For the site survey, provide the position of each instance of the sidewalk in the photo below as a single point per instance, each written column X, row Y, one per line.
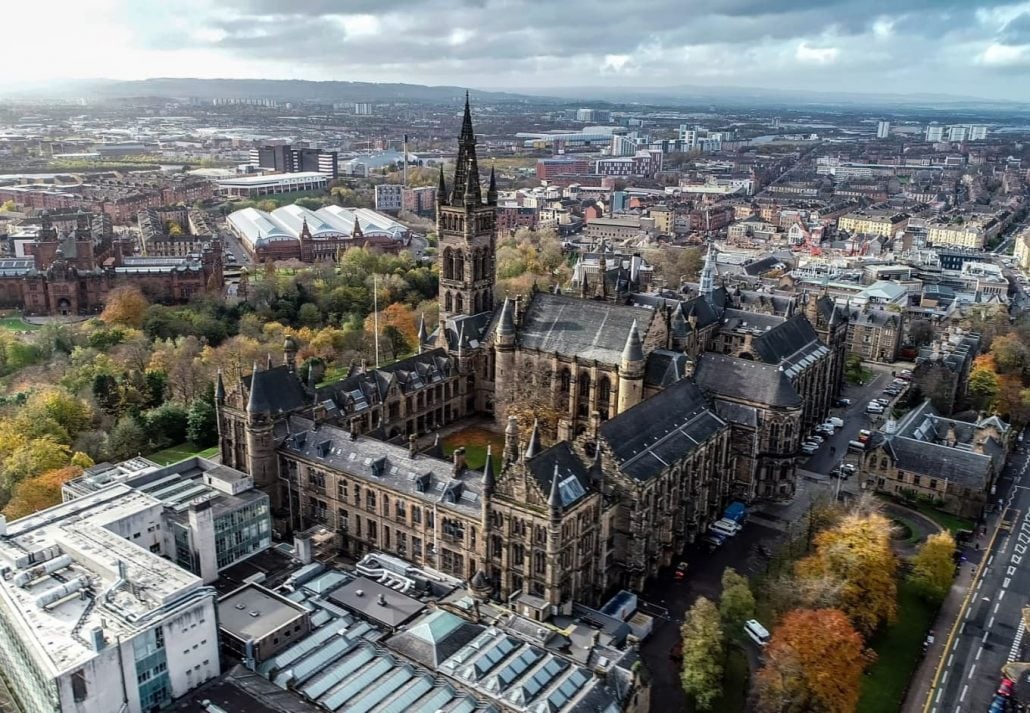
column 919, row 686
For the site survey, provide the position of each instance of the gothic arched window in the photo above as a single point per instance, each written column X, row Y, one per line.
column 447, row 302
column 448, row 268
column 459, row 303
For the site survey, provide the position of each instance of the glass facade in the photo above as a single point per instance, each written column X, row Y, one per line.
column 155, row 689
column 242, row 532
column 32, row 689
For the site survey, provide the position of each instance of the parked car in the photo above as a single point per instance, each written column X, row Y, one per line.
column 848, row 469
column 1007, row 687
column 756, row 632
column 883, row 402
column 841, row 402
column 874, row 408
column 998, row 705
column 681, row 571
column 809, row 448
column 732, row 527
column 818, row 439
column 837, row 422
column 864, row 434
column 713, row 541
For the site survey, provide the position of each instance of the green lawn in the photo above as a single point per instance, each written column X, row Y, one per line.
column 898, row 649
column 475, row 439
column 181, row 452
column 954, row 523
column 17, row 324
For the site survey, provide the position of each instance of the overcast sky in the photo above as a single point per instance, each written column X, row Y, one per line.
column 949, row 46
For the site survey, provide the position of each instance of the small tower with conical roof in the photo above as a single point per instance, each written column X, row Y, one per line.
column 504, row 360
column 290, row 353
column 423, row 333
column 491, row 192
column 534, row 447
column 631, row 371
column 511, row 441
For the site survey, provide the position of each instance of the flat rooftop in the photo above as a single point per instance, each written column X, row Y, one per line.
column 252, row 612
column 377, row 603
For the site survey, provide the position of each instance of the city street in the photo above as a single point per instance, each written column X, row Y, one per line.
column 668, row 599
column 988, row 632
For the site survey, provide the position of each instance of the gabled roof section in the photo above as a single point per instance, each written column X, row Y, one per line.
column 573, row 473
column 575, row 327
column 745, row 380
column 275, row 391
column 664, row 368
column 661, row 431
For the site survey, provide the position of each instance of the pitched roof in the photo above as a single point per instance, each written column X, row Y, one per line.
column 581, row 328
column 660, row 431
column 275, row 390
column 664, row 368
column 573, row 473
column 746, row 380
column 968, row 469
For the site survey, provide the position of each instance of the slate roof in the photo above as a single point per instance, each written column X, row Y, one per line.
column 357, row 392
column 745, row 380
column 664, row 368
column 574, row 327
column 470, row 330
column 275, row 390
column 421, row 478
column 736, row 413
column 574, row 474
column 968, row 469
column 741, row 319
column 875, row 318
column 660, row 431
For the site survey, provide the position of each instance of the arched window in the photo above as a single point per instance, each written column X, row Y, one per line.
column 604, row 396
column 459, row 303
column 448, row 268
column 564, row 381
column 447, row 302
column 459, row 265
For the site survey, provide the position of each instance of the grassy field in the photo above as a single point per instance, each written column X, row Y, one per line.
column 181, row 452
column 898, row 649
column 475, row 439
column 950, row 522
column 15, row 323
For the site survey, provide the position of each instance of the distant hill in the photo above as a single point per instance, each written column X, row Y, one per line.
column 283, row 90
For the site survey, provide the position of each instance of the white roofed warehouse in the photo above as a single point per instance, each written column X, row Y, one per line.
column 294, row 232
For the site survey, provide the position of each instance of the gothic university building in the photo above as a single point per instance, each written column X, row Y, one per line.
column 655, row 410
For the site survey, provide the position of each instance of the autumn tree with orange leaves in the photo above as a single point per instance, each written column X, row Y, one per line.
column 40, row 492
column 126, row 306
column 814, row 662
column 856, row 552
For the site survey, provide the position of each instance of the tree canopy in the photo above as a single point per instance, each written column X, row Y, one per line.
column 933, row 566
column 701, row 675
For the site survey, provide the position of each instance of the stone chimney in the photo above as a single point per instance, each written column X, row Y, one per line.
column 459, row 460
column 413, row 446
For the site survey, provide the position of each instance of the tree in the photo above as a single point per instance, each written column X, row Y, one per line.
column 39, row 492
column 983, row 388
column 1011, row 354
column 73, row 415
column 933, row 567
column 127, row 438
column 920, row 331
column 737, row 603
column 701, row 676
column 106, row 393
column 125, row 305
column 165, row 425
column 814, row 662
column 309, row 315
column 202, row 424
column 857, row 553
column 673, row 265
column 399, row 316
column 32, row 458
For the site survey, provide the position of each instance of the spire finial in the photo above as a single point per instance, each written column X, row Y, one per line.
column 533, row 448
column 554, row 499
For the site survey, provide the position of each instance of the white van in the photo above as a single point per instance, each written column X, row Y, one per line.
column 756, row 632
column 725, row 527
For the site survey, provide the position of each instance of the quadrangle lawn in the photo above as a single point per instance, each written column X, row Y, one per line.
column 180, row 452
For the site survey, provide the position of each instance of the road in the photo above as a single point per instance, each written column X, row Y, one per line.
column 989, row 631
column 668, row 599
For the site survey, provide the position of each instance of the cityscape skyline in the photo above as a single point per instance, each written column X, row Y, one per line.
column 971, row 49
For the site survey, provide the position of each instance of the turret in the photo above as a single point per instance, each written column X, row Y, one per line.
column 631, row 371
column 256, row 403
column 261, row 460
column 504, row 358
column 678, row 329
column 812, row 308
column 219, row 388
column 441, row 189
column 708, row 274
column 533, row 448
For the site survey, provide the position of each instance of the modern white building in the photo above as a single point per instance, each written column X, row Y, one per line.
column 934, row 133
column 92, row 617
column 272, row 184
column 883, row 129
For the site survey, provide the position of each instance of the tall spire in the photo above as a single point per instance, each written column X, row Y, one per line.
column 488, row 472
column 423, row 335
column 219, row 388
column 708, row 273
column 491, row 192
column 507, row 326
column 441, row 189
column 466, row 170
column 256, row 402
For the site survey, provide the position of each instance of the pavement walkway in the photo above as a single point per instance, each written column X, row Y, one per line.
column 919, row 686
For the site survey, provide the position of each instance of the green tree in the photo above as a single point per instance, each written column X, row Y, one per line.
column 737, row 603
column 983, row 388
column 165, row 425
column 127, row 438
column 920, row 332
column 202, row 424
column 933, row 566
column 309, row 315
column 703, row 656
column 106, row 393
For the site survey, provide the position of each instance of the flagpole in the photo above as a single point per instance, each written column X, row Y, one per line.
column 375, row 313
